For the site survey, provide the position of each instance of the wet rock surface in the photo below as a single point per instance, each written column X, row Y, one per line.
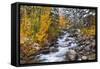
column 71, row 55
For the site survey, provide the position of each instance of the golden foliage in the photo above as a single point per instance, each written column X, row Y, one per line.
column 62, row 22
column 45, row 23
column 25, row 28
column 68, row 23
column 33, row 29
column 90, row 31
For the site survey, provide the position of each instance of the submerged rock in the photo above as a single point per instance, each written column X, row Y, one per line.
column 53, row 49
column 67, row 39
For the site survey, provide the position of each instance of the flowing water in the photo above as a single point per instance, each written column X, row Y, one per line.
column 64, row 42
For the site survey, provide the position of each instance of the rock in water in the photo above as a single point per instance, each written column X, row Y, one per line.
column 53, row 49
column 72, row 55
column 45, row 51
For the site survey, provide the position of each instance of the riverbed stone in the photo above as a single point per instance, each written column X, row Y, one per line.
column 87, row 48
column 84, row 57
column 71, row 55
